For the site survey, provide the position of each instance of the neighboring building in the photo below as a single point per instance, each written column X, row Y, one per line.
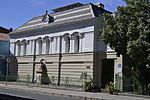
column 4, row 30
column 68, row 39
column 4, row 51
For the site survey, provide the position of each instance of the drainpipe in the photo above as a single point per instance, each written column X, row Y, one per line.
column 59, row 63
column 34, row 57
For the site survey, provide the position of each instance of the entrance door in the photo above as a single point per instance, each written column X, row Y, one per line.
column 107, row 71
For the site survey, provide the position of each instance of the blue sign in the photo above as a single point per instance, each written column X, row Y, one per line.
column 119, row 68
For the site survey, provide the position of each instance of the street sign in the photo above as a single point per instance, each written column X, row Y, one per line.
column 119, row 68
column 8, row 60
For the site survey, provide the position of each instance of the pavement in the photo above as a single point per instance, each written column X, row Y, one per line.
column 72, row 93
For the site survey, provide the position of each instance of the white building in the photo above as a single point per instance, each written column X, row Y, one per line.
column 68, row 39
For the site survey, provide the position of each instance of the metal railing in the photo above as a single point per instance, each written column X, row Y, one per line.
column 65, row 82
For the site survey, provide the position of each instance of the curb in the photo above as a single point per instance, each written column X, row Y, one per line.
column 134, row 95
column 44, row 86
column 52, row 94
column 27, row 88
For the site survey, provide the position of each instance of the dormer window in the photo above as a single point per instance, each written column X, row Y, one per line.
column 48, row 18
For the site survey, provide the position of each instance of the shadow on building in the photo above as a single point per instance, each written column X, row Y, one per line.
column 13, row 69
column 42, row 73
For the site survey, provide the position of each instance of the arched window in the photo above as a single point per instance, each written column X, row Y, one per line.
column 39, row 41
column 67, row 42
column 18, row 48
column 76, row 38
column 24, row 44
column 51, row 39
column 40, row 46
column 47, row 41
column 76, row 43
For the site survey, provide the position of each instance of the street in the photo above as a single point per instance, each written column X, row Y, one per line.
column 21, row 95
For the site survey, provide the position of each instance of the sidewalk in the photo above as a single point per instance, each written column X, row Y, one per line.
column 70, row 93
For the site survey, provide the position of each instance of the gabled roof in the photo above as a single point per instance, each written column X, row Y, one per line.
column 4, row 30
column 71, row 6
column 77, row 12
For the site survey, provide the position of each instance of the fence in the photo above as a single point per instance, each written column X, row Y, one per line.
column 127, row 84
column 65, row 82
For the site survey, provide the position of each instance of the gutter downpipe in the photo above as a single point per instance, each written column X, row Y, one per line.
column 59, row 63
column 34, row 58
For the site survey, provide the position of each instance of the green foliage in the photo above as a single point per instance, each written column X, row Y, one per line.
column 91, row 86
column 128, row 33
column 110, row 87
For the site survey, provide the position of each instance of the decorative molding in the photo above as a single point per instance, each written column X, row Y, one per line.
column 46, row 38
column 39, row 39
column 51, row 39
column 81, row 35
column 74, row 34
column 66, row 36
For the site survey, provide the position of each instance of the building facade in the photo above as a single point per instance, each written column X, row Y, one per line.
column 4, row 51
column 68, row 40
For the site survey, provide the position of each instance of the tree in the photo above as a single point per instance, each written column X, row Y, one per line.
column 127, row 31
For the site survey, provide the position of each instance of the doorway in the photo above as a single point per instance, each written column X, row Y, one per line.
column 107, row 71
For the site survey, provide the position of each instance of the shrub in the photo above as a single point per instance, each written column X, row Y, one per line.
column 110, row 87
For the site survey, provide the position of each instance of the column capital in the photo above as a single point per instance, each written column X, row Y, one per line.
column 81, row 35
column 39, row 39
column 46, row 38
column 51, row 39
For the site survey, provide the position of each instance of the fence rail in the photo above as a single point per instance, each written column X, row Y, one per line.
column 65, row 82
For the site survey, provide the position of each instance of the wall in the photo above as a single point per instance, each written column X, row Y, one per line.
column 4, row 52
column 86, row 43
column 73, row 64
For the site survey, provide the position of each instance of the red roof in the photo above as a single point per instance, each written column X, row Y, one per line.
column 4, row 37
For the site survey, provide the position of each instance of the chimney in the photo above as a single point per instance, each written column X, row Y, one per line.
column 100, row 5
column 11, row 29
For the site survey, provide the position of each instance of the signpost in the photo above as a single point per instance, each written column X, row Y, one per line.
column 8, row 61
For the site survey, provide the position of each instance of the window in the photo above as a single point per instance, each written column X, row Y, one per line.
column 67, row 44
column 51, row 40
column 76, row 43
column 24, row 48
column 47, row 45
column 18, row 48
column 40, row 46
column 56, row 44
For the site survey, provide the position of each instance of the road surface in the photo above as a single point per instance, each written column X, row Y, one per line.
column 8, row 94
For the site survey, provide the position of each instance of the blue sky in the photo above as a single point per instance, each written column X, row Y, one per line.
column 14, row 13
